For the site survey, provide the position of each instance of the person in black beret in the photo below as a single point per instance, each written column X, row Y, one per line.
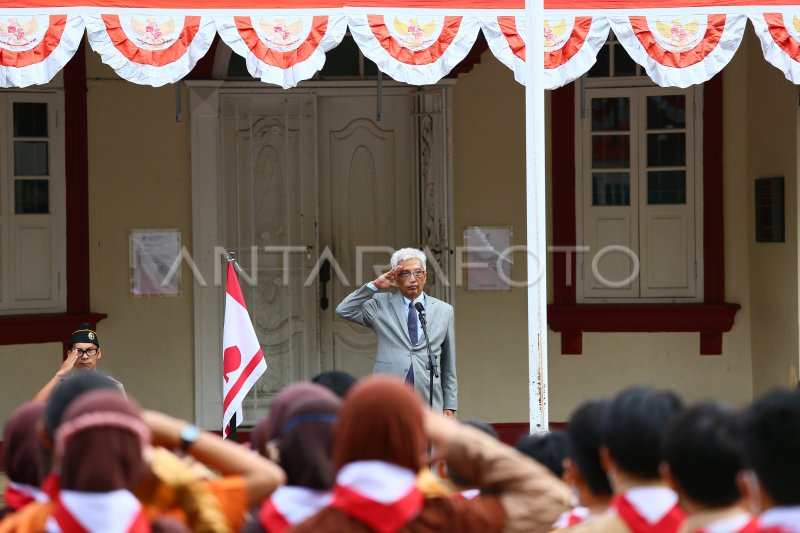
column 82, row 356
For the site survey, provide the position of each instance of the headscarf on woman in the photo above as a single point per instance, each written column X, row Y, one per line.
column 381, row 420
column 99, row 448
column 378, row 448
column 267, row 428
column 62, row 396
column 298, row 427
column 22, row 457
column 99, row 443
column 304, row 439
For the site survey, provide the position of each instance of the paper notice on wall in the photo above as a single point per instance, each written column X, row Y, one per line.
column 152, row 253
column 488, row 258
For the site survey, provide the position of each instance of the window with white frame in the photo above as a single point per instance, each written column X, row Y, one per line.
column 32, row 214
column 640, row 185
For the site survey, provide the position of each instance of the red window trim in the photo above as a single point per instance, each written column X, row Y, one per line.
column 31, row 329
column 711, row 318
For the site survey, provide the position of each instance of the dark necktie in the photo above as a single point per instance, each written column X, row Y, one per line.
column 412, row 324
column 412, row 332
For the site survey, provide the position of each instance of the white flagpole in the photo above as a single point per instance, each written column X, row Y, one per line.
column 536, row 218
column 233, row 422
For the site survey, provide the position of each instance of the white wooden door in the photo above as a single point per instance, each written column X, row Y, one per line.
column 269, row 191
column 368, row 207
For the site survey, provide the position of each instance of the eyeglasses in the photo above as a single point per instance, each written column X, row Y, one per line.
column 91, row 352
column 405, row 274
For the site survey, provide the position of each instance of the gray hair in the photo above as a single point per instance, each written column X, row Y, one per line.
column 404, row 254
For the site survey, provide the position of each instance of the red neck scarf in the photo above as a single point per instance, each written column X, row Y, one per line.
column 18, row 496
column 290, row 505
column 751, row 526
column 51, row 484
column 69, row 524
column 380, row 517
column 272, row 520
column 574, row 520
column 669, row 523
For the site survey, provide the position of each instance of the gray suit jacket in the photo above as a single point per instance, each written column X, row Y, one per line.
column 385, row 313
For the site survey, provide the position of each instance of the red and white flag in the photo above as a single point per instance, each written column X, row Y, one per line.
column 242, row 359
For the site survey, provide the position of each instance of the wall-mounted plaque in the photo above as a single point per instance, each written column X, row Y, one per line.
column 152, row 253
column 769, row 210
column 488, row 258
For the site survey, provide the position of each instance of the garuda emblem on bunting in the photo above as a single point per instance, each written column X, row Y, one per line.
column 153, row 34
column 279, row 33
column 18, row 34
column 555, row 34
column 414, row 35
column 679, row 36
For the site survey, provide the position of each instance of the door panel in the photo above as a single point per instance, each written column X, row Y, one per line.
column 613, row 266
column 433, row 151
column 667, row 271
column 367, row 199
column 269, row 194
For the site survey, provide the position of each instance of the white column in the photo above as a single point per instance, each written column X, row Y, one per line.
column 536, row 219
column 207, row 217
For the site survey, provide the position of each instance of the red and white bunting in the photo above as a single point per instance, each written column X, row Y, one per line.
column 242, row 358
column 779, row 34
column 505, row 36
column 680, row 50
column 571, row 45
column 33, row 48
column 419, row 48
column 679, row 43
column 281, row 48
column 150, row 49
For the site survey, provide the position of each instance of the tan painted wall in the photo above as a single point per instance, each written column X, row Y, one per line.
column 772, row 151
column 27, row 368
column 489, row 189
column 492, row 328
column 139, row 167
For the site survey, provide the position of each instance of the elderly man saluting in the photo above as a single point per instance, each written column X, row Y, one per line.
column 401, row 342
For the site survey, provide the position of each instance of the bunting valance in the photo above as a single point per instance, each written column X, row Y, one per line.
column 678, row 43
